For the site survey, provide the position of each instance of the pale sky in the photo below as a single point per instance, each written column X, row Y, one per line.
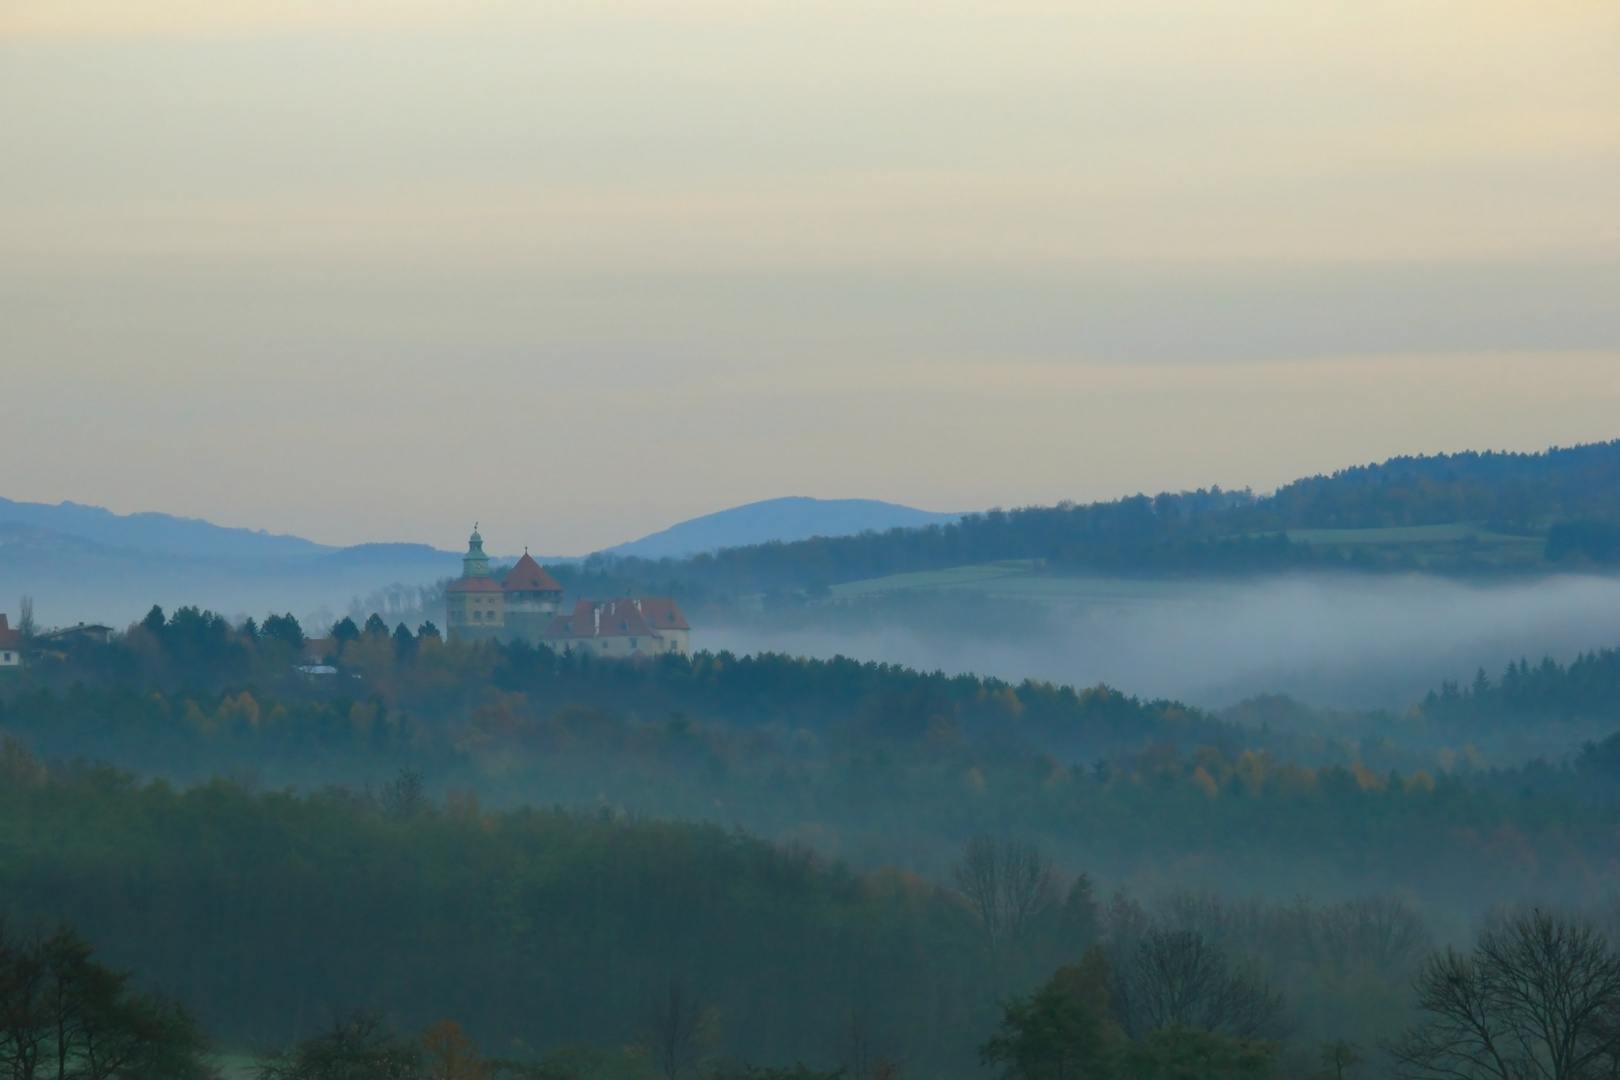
column 370, row 270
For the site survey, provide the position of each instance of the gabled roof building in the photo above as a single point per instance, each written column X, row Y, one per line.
column 624, row 627
column 11, row 645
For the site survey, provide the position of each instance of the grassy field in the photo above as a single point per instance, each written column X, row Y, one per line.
column 1030, row 580
column 977, row 578
column 1464, row 531
column 1461, row 545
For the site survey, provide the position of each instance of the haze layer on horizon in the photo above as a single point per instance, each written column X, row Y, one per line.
column 365, row 271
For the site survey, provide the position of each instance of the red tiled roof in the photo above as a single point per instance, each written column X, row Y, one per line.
column 662, row 614
column 618, row 618
column 529, row 576
column 9, row 638
column 474, row 584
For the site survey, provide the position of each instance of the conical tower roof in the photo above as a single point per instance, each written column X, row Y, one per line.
column 475, row 563
column 529, row 576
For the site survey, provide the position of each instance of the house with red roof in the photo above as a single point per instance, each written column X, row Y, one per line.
column 661, row 615
column 11, row 645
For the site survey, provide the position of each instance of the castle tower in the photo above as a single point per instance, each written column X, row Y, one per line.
column 475, row 563
column 532, row 598
column 475, row 607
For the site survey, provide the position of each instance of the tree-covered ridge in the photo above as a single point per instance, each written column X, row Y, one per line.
column 271, row 911
column 1520, row 490
column 543, row 847
column 875, row 762
column 1205, row 531
column 419, row 691
column 556, row 937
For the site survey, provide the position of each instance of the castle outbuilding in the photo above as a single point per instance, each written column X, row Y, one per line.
column 623, row 627
column 526, row 604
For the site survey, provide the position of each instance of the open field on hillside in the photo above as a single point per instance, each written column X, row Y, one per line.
column 1409, row 534
column 1415, row 547
column 1420, row 546
column 1031, row 580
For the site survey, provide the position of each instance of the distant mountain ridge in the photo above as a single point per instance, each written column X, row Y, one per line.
column 782, row 520
column 84, row 563
column 162, row 534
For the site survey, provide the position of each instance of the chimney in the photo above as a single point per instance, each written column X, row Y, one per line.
column 597, row 614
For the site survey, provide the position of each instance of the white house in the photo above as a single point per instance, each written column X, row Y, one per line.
column 11, row 643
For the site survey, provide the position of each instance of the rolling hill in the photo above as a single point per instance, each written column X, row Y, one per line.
column 783, row 520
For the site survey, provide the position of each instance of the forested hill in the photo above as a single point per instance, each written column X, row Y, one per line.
column 1525, row 491
column 1563, row 505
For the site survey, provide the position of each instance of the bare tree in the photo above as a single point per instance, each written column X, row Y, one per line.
column 863, row 1050
column 25, row 617
column 1339, row 1060
column 405, row 796
column 1379, row 935
column 679, row 1032
column 1180, row 979
column 1125, row 924
column 1535, row 999
column 1008, row 883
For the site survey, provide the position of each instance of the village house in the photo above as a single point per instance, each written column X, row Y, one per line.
column 69, row 635
column 11, row 645
column 526, row 604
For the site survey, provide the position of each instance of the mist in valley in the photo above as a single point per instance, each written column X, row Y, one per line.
column 1335, row 641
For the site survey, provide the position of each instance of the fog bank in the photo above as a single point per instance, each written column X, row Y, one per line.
column 1344, row 641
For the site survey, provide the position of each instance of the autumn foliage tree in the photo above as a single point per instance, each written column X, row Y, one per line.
column 450, row 1054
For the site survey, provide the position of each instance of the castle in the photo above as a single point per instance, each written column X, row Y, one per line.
column 527, row 603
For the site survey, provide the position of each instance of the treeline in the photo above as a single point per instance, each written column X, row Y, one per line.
column 876, row 763
column 194, row 676
column 1190, row 987
column 1206, row 531
column 1515, row 491
column 1588, row 688
column 270, row 912
column 558, row 938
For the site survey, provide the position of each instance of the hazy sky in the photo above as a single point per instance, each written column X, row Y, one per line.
column 371, row 270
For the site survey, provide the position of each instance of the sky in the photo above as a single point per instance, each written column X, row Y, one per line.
column 363, row 270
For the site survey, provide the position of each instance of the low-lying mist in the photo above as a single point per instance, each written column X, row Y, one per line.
column 1343, row 641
